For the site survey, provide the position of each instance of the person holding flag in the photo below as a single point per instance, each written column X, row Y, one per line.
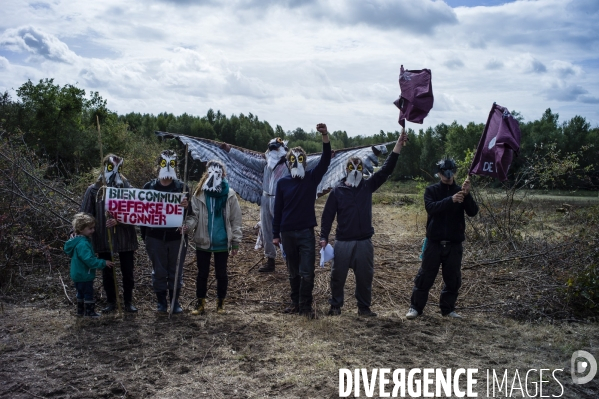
column 445, row 204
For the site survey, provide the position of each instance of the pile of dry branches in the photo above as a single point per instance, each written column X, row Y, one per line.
column 35, row 212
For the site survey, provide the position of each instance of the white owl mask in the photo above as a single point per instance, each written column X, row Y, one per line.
column 277, row 148
column 168, row 165
column 355, row 173
column 214, row 179
column 112, row 164
column 296, row 162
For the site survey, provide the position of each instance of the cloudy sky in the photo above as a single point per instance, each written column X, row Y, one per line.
column 299, row 62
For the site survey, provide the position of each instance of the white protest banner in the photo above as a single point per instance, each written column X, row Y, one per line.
column 141, row 207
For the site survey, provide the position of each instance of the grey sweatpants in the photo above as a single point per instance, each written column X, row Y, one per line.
column 163, row 255
column 358, row 256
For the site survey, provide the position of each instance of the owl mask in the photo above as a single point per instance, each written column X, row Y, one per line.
column 354, row 171
column 296, row 162
column 447, row 167
column 168, row 165
column 214, row 176
column 112, row 166
column 277, row 148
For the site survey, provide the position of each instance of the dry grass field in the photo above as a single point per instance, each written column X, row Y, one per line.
column 256, row 351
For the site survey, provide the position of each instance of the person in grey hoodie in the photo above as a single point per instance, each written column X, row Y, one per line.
column 84, row 263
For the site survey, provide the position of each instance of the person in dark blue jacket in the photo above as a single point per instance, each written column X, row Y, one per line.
column 351, row 202
column 294, row 221
column 445, row 204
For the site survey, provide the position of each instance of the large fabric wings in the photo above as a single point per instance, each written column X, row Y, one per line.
column 368, row 154
column 245, row 168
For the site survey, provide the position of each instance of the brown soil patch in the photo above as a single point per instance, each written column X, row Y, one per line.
column 256, row 351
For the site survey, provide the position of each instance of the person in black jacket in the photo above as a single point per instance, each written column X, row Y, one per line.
column 351, row 202
column 162, row 243
column 123, row 236
column 294, row 221
column 445, row 204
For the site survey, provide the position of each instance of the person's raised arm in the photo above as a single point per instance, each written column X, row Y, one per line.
column 402, row 140
column 381, row 176
column 322, row 128
column 325, row 158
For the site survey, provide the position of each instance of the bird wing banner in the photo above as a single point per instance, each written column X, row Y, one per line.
column 245, row 168
column 416, row 99
column 497, row 145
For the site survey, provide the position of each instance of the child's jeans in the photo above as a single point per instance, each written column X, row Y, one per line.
column 85, row 290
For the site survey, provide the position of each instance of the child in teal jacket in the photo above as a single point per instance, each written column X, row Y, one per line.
column 84, row 263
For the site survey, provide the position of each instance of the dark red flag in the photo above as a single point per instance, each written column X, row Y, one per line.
column 497, row 145
column 416, row 98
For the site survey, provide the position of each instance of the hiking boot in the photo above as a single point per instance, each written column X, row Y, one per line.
column 80, row 308
column 110, row 307
column 220, row 306
column 412, row 314
column 366, row 312
column 269, row 267
column 200, row 307
column 308, row 313
column 130, row 308
column 161, row 305
column 292, row 309
column 90, row 310
column 334, row 311
column 453, row 315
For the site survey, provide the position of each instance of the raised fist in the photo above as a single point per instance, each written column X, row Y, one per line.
column 322, row 128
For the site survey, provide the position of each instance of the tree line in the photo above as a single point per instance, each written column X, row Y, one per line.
column 59, row 123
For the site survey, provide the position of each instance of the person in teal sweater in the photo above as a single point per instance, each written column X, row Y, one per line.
column 84, row 263
column 215, row 225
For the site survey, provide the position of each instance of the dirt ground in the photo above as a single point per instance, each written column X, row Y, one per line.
column 256, row 351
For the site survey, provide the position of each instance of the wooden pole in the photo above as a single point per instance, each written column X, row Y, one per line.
column 108, row 230
column 176, row 282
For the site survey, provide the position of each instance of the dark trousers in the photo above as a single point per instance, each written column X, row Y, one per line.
column 358, row 256
column 85, row 291
column 163, row 255
column 220, row 271
column 435, row 255
column 300, row 251
column 126, row 260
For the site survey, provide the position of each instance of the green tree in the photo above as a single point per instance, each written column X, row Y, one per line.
column 460, row 139
column 52, row 120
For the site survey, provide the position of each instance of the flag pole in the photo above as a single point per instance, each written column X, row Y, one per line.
column 176, row 282
column 108, row 230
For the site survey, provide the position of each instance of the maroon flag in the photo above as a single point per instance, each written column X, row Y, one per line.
column 416, row 98
column 497, row 145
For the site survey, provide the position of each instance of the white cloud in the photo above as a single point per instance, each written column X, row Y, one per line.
column 298, row 62
column 37, row 42
column 4, row 64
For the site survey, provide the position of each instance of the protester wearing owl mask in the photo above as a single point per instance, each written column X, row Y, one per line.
column 124, row 237
column 445, row 203
column 162, row 244
column 273, row 167
column 215, row 226
column 274, row 170
column 351, row 203
column 294, row 221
